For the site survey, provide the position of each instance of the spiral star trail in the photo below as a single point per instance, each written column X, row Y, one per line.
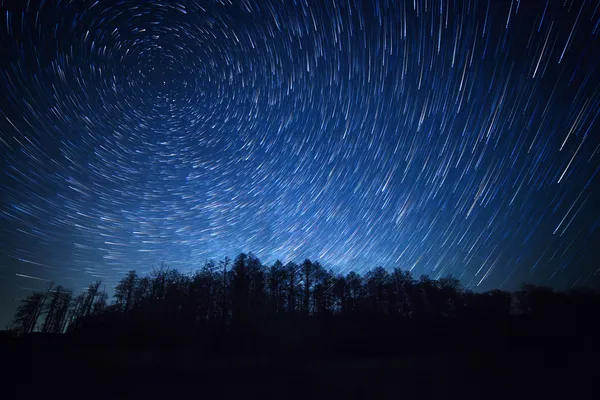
column 443, row 137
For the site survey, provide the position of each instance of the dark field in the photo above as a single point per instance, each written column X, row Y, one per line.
column 528, row 360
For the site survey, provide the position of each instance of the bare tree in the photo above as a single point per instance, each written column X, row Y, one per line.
column 28, row 312
column 124, row 291
column 56, row 310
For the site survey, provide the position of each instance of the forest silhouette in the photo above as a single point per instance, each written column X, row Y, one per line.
column 173, row 325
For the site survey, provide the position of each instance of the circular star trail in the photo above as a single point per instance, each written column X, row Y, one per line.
column 443, row 137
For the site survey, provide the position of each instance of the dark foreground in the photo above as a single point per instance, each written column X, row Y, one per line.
column 528, row 363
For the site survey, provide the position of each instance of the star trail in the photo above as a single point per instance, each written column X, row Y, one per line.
column 444, row 137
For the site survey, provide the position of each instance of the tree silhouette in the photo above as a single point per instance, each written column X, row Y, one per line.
column 275, row 277
column 245, row 306
column 124, row 291
column 57, row 309
column 356, row 291
column 307, row 282
column 27, row 314
column 377, row 280
column 292, row 286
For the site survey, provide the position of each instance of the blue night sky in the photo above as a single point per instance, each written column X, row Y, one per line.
column 444, row 137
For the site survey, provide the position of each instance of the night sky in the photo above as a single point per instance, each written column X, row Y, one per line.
column 443, row 137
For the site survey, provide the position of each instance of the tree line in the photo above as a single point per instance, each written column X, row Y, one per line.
column 244, row 292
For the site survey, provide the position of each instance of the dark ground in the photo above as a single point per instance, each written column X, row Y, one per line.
column 529, row 366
